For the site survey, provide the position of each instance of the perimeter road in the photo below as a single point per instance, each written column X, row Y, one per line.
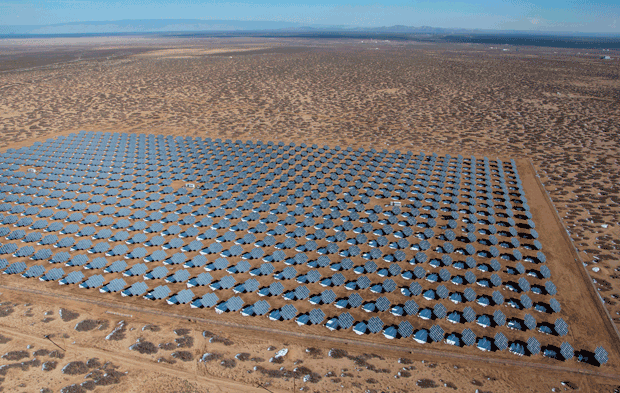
column 612, row 329
column 388, row 347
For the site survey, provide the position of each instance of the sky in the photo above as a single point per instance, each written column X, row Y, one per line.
column 540, row 15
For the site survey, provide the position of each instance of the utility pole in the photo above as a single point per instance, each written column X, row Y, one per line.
column 261, row 386
column 48, row 337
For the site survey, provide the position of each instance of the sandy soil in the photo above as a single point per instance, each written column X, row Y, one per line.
column 446, row 99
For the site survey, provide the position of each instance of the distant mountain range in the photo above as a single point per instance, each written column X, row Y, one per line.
column 139, row 26
column 145, row 26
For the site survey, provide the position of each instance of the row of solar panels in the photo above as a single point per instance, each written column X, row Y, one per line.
column 279, row 207
column 231, row 163
column 369, row 267
column 111, row 152
column 418, row 273
column 276, row 289
column 389, row 183
column 285, row 217
column 294, row 204
column 412, row 192
column 303, row 182
column 429, row 212
column 121, row 154
column 522, row 285
column 414, row 289
column 304, row 177
column 126, row 141
column 382, row 183
column 420, row 257
column 281, row 229
column 288, row 312
column 55, row 190
column 270, row 240
column 286, row 274
column 371, row 175
column 289, row 219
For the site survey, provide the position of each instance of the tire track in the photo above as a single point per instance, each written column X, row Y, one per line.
column 144, row 364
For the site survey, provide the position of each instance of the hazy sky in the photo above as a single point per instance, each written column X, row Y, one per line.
column 549, row 15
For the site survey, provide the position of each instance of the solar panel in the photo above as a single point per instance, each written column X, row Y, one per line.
column 550, row 288
column 436, row 333
column 499, row 318
column 288, row 312
column 53, row 275
column 158, row 272
column 114, row 286
column 328, row 296
column 469, row 338
column 178, row 276
column 526, row 301
column 72, row 278
column 533, row 346
column 302, row 292
column 220, row 264
column 567, row 351
column 469, row 314
column 601, row 355
column 208, row 300
column 116, row 267
column 501, row 342
column 233, row 304
column 498, row 298
column 375, row 324
column 530, row 321
column 355, row 300
column 363, row 282
column 439, row 310
column 470, row 294
column 411, row 307
column 405, row 329
column 34, row 271
column 345, row 320
column 261, row 307
column 316, row 316
column 442, row 291
column 93, row 282
column 276, row 288
column 201, row 280
column 136, row 289
column 183, row 297
column 78, row 260
column 265, row 269
column 224, row 283
column 555, row 305
column 382, row 304
column 561, row 327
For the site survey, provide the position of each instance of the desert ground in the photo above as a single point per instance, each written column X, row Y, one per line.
column 554, row 110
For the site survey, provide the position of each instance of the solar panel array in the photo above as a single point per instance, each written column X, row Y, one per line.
column 406, row 235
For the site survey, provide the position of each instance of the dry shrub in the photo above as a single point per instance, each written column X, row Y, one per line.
column 144, row 347
column 184, row 356
column 67, row 315
column 75, row 368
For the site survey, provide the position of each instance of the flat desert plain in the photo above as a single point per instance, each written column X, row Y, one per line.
column 553, row 110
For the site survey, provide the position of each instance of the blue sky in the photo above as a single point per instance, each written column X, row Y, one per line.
column 545, row 15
